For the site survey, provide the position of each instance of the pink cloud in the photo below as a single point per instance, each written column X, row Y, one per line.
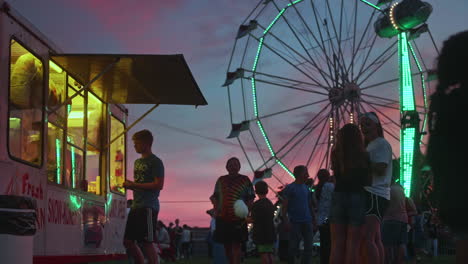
column 132, row 22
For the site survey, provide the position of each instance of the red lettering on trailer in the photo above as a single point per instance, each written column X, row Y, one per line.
column 31, row 189
column 37, row 192
column 40, row 218
column 60, row 213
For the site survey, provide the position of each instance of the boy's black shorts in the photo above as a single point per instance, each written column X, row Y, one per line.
column 141, row 225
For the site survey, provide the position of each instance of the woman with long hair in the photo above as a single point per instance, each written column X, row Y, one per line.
column 350, row 164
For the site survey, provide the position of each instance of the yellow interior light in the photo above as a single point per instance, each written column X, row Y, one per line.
column 55, row 67
column 98, row 185
column 77, row 114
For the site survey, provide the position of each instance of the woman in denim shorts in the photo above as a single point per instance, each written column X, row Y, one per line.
column 350, row 164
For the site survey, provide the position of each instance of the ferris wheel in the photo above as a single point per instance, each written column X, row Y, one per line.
column 300, row 70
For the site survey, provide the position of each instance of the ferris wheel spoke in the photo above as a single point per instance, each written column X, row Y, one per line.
column 311, row 62
column 316, row 144
column 322, row 40
column 273, row 158
column 341, row 25
column 292, row 81
column 302, row 137
column 244, row 104
column 342, row 45
column 351, row 63
column 253, row 10
column 303, row 128
column 288, row 86
column 331, row 133
column 381, row 83
column 380, row 64
column 390, row 133
column 258, row 149
column 388, row 100
column 317, row 42
column 348, row 66
column 381, row 105
column 355, row 51
column 288, row 110
column 304, row 142
column 347, row 112
column 390, row 107
column 325, row 159
column 337, row 36
column 389, row 81
column 332, row 47
column 245, row 153
column 232, row 55
column 342, row 117
column 382, row 98
column 344, row 109
column 287, row 61
column 378, row 60
column 229, row 102
column 370, row 48
column 245, row 49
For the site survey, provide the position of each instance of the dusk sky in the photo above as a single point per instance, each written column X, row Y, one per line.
column 191, row 141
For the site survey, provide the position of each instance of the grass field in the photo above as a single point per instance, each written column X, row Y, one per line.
column 205, row 260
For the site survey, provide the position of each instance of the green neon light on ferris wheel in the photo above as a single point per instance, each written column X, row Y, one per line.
column 406, row 158
column 254, row 88
column 272, row 152
column 75, row 202
column 274, row 21
column 58, row 152
column 370, row 4
column 407, row 103
column 406, row 81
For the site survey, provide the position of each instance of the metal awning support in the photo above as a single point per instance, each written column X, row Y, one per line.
column 85, row 87
column 132, row 125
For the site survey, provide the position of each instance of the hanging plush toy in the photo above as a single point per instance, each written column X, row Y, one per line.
column 26, row 78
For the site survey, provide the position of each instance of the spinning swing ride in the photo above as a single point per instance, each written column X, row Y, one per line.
column 300, row 70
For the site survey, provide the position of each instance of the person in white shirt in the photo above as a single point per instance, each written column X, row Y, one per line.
column 186, row 239
column 163, row 236
column 380, row 154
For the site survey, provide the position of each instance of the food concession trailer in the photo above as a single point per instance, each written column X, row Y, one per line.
column 62, row 135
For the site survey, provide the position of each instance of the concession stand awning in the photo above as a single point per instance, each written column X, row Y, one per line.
column 134, row 79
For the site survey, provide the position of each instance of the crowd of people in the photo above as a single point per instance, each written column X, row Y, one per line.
column 361, row 212
column 174, row 241
column 348, row 212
